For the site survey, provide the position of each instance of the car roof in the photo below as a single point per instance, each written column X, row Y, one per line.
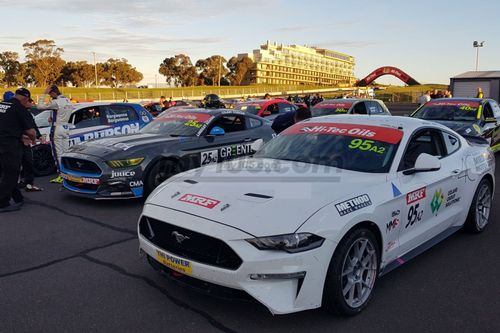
column 348, row 100
column 78, row 106
column 406, row 124
column 263, row 101
column 460, row 99
column 213, row 112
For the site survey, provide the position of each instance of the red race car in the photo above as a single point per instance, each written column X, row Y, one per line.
column 266, row 107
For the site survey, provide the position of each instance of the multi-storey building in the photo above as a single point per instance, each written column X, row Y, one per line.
column 295, row 64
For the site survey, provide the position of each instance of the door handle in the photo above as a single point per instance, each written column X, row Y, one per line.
column 455, row 172
column 247, row 140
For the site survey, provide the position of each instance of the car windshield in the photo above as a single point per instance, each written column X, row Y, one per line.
column 250, row 108
column 177, row 124
column 346, row 146
column 323, row 109
column 449, row 110
column 42, row 119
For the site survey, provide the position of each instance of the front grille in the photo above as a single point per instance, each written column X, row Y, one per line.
column 82, row 186
column 198, row 247
column 80, row 165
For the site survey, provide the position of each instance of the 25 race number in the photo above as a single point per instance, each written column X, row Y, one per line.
column 366, row 145
column 209, row 157
column 414, row 215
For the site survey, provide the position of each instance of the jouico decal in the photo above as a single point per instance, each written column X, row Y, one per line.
column 415, row 196
column 199, row 200
column 389, row 135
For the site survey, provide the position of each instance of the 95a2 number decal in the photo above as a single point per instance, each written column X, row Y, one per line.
column 414, row 215
column 366, row 145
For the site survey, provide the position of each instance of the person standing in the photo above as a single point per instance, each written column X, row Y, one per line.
column 424, row 98
column 59, row 132
column 283, row 121
column 16, row 126
column 479, row 92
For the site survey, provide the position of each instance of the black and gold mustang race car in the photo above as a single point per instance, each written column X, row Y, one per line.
column 132, row 166
column 469, row 117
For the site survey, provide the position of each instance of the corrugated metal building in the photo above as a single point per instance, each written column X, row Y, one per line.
column 466, row 84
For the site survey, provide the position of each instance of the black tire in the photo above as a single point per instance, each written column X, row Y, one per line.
column 161, row 171
column 334, row 300
column 43, row 161
column 479, row 211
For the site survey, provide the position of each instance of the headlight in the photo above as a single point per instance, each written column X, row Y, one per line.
column 291, row 243
column 125, row 163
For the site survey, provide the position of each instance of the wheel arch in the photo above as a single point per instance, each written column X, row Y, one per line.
column 373, row 227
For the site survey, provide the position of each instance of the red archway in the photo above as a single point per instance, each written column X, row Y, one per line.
column 387, row 70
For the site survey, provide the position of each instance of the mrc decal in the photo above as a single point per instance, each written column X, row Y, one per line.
column 102, row 133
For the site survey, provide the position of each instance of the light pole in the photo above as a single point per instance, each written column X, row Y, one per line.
column 477, row 45
column 95, row 70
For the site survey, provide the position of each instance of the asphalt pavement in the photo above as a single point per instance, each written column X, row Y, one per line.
column 69, row 264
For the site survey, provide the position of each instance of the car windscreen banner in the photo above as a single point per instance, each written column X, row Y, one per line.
column 462, row 105
column 185, row 116
column 383, row 134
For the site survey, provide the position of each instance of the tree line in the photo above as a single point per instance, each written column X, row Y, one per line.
column 44, row 64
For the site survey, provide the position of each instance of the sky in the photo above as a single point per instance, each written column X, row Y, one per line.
column 429, row 40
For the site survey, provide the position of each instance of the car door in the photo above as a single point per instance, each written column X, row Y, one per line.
column 85, row 124
column 430, row 201
column 236, row 140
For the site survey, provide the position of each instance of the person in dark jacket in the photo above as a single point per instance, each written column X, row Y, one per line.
column 16, row 128
column 286, row 120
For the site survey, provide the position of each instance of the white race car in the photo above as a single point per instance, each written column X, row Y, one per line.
column 321, row 211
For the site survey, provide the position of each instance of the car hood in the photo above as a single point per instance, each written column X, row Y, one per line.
column 123, row 145
column 261, row 197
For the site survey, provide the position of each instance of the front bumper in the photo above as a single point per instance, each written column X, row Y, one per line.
column 101, row 181
column 283, row 282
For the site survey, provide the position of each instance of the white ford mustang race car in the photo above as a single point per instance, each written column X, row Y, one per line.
column 321, row 211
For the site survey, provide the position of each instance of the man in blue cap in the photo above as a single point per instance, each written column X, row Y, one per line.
column 7, row 95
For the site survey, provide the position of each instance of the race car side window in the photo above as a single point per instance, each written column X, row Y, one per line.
column 253, row 122
column 496, row 109
column 229, row 123
column 427, row 141
column 487, row 111
column 374, row 107
column 359, row 108
column 273, row 108
column 119, row 113
column 285, row 107
column 451, row 142
column 86, row 117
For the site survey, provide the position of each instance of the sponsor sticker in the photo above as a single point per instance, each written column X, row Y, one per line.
column 116, row 174
column 452, row 197
column 437, row 201
column 177, row 264
column 209, row 157
column 82, row 180
column 199, row 200
column 415, row 196
column 196, row 117
column 384, row 134
column 353, row 204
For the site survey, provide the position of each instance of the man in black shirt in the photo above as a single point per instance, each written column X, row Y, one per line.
column 283, row 121
column 15, row 121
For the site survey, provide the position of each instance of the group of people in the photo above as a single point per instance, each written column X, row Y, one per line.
column 18, row 132
column 309, row 100
column 428, row 95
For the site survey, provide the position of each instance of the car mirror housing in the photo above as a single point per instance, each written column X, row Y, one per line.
column 257, row 145
column 424, row 163
column 217, row 131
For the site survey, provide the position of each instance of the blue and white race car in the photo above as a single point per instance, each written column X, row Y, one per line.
column 89, row 121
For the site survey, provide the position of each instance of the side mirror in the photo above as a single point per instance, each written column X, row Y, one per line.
column 490, row 120
column 424, row 163
column 266, row 113
column 257, row 145
column 217, row 131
